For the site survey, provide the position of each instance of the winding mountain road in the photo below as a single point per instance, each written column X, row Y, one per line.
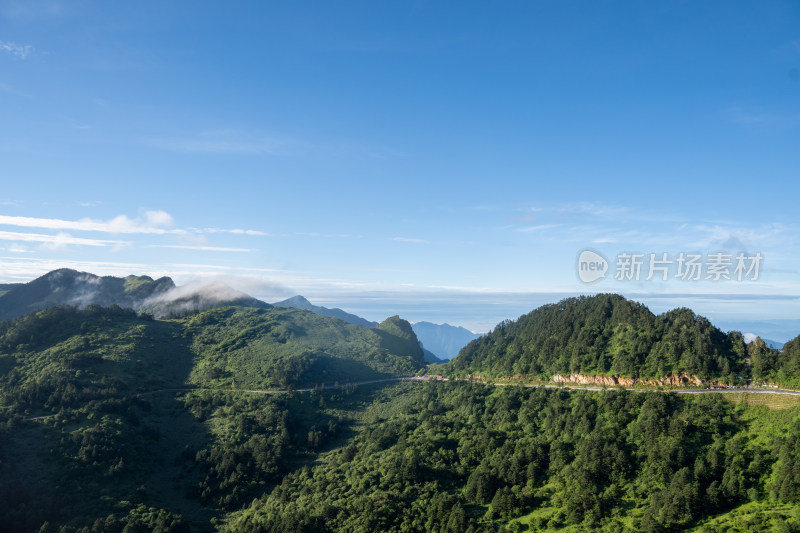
column 424, row 379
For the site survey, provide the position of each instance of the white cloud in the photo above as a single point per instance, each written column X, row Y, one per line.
column 19, row 249
column 55, row 241
column 154, row 220
column 236, row 231
column 409, row 239
column 21, row 51
column 158, row 218
column 201, row 248
column 328, row 235
column 540, row 227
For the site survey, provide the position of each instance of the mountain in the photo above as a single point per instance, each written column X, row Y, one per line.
column 398, row 337
column 605, row 334
column 251, row 347
column 70, row 287
column 95, row 403
column 141, row 293
column 5, row 287
column 300, row 302
column 443, row 340
column 117, row 422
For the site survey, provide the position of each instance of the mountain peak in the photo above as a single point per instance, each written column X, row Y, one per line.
column 300, row 302
column 295, row 301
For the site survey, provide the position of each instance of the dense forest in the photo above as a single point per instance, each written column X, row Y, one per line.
column 467, row 457
column 604, row 334
column 115, row 421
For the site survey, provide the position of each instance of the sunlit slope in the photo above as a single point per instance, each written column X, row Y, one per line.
column 605, row 334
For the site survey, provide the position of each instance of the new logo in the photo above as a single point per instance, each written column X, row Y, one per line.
column 591, row 266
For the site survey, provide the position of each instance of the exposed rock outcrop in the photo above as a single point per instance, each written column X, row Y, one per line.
column 681, row 379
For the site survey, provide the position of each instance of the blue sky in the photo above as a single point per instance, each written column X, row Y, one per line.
column 445, row 160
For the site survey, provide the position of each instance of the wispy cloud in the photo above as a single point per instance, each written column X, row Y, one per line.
column 540, row 227
column 59, row 240
column 155, row 222
column 327, row 235
column 409, row 239
column 21, row 51
column 199, row 247
column 19, row 249
column 235, row 231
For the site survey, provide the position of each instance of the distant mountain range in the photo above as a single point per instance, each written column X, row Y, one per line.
column 443, row 339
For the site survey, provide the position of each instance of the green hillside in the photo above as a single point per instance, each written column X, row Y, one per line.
column 285, row 347
column 104, row 412
column 458, row 457
column 604, row 334
column 115, row 422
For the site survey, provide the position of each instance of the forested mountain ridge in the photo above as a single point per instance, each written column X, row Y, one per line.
column 300, row 302
column 229, row 346
column 607, row 334
column 160, row 297
column 70, row 287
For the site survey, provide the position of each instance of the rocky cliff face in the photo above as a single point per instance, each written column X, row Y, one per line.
column 681, row 379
